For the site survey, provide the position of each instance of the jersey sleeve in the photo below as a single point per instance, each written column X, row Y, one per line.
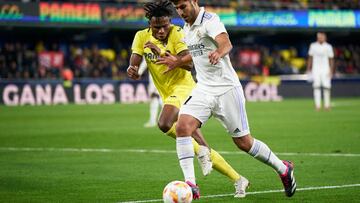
column 214, row 27
column 311, row 50
column 178, row 40
column 137, row 46
column 330, row 52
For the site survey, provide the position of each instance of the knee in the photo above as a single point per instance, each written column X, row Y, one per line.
column 164, row 126
column 244, row 143
column 183, row 129
column 244, row 146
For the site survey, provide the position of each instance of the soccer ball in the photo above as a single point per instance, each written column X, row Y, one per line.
column 177, row 192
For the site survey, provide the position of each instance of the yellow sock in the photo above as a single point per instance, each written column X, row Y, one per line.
column 172, row 133
column 218, row 161
column 222, row 166
column 196, row 146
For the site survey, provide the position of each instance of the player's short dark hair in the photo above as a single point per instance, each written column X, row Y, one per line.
column 158, row 9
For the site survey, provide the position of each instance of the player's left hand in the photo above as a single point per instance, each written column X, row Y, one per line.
column 214, row 57
column 169, row 60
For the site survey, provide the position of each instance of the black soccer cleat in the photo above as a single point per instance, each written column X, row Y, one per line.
column 288, row 179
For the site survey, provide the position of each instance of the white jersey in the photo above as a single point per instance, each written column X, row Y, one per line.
column 200, row 39
column 321, row 54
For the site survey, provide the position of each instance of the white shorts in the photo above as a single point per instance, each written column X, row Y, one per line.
column 321, row 80
column 228, row 108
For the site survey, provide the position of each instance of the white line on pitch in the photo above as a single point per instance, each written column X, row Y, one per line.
column 258, row 192
column 158, row 151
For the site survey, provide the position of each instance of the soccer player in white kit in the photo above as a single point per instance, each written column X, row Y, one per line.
column 321, row 67
column 218, row 93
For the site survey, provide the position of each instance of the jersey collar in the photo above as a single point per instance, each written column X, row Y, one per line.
column 199, row 18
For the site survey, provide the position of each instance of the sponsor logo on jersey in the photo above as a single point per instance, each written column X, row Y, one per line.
column 151, row 56
column 196, row 49
column 207, row 15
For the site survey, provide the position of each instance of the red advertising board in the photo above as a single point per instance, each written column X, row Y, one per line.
column 51, row 59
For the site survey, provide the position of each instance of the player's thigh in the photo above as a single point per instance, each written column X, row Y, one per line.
column 177, row 96
column 172, row 103
column 198, row 106
column 316, row 80
column 326, row 80
column 232, row 113
column 168, row 116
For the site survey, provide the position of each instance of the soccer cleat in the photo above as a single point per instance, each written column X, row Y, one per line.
column 288, row 179
column 195, row 190
column 240, row 186
column 204, row 160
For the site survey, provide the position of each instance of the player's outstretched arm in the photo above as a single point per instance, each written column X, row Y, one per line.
column 224, row 47
column 132, row 70
column 182, row 60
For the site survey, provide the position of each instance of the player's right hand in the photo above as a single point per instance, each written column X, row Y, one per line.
column 156, row 50
column 214, row 57
column 132, row 72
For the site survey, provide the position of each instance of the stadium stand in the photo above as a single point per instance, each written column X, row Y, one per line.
column 256, row 5
column 108, row 55
column 23, row 60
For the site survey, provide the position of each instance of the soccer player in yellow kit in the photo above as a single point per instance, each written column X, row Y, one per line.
column 174, row 86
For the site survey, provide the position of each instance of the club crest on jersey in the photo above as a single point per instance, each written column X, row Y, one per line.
column 198, row 34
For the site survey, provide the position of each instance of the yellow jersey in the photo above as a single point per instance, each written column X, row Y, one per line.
column 169, row 82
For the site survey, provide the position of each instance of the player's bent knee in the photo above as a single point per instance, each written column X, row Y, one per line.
column 165, row 126
column 244, row 143
column 183, row 129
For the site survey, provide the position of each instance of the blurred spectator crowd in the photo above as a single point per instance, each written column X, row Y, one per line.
column 255, row 5
column 19, row 60
column 48, row 61
column 258, row 5
column 262, row 60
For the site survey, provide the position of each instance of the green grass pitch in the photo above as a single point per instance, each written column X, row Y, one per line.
column 41, row 158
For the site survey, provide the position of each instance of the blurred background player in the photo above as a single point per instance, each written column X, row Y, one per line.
column 155, row 101
column 174, row 86
column 321, row 68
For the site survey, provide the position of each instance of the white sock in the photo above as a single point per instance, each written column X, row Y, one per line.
column 185, row 152
column 262, row 152
column 154, row 109
column 326, row 98
column 317, row 97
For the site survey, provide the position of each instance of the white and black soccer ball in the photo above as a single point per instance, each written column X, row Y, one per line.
column 177, row 192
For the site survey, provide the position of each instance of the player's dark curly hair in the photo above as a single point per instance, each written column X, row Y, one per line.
column 158, row 8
